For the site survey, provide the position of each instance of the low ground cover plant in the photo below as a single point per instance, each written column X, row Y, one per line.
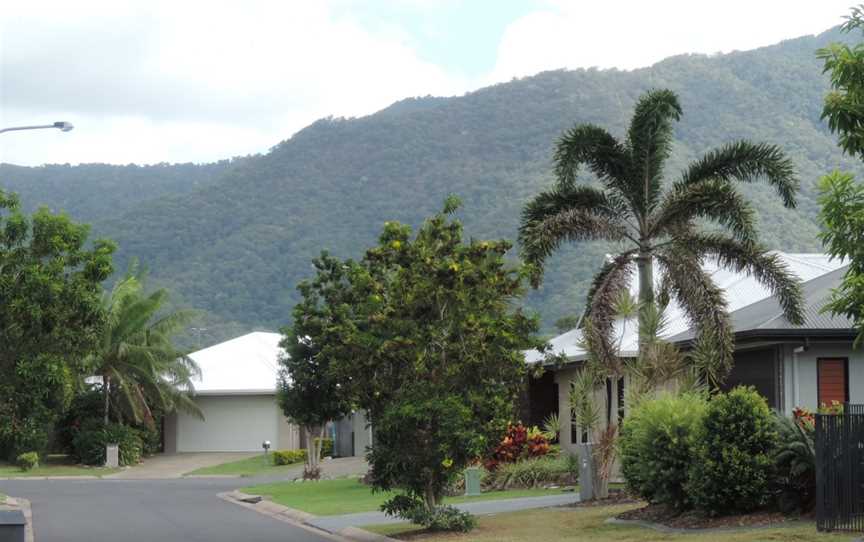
column 440, row 518
column 288, row 457
column 533, row 472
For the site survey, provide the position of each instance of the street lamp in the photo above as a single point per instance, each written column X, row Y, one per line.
column 63, row 126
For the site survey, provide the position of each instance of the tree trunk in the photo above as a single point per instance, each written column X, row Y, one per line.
column 645, row 266
column 106, row 393
column 430, row 498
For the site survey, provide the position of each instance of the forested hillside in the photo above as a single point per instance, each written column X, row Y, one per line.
column 234, row 239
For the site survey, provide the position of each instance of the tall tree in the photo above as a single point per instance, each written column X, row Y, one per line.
column 841, row 198
column 432, row 348
column 657, row 222
column 50, row 318
column 141, row 369
column 310, row 393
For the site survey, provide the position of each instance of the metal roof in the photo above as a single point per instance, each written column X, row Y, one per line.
column 245, row 365
column 741, row 290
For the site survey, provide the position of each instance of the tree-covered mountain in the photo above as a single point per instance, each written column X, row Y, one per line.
column 235, row 238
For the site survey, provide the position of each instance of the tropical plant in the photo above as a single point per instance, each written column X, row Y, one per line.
column 657, row 223
column 795, row 463
column 27, row 460
column 552, row 427
column 141, row 369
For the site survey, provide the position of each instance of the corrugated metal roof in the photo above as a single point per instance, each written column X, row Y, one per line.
column 248, row 364
column 741, row 290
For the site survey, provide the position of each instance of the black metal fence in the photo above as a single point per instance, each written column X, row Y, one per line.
column 839, row 442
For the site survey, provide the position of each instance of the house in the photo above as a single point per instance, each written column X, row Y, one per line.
column 789, row 365
column 236, row 392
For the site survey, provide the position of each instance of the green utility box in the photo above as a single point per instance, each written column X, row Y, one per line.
column 472, row 482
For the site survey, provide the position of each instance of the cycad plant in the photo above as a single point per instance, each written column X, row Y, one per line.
column 141, row 369
column 656, row 222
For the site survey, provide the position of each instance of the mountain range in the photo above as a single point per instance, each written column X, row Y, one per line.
column 233, row 238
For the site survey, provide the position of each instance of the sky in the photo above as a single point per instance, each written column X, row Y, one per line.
column 151, row 81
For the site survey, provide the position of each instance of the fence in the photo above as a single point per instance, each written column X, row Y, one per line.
column 839, row 442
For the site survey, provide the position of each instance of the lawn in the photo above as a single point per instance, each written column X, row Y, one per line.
column 53, row 465
column 252, row 466
column 348, row 495
column 578, row 524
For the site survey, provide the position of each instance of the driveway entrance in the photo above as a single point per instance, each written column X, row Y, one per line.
column 164, row 466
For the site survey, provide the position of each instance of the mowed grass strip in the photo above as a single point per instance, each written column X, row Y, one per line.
column 349, row 496
column 251, row 466
column 53, row 465
column 578, row 524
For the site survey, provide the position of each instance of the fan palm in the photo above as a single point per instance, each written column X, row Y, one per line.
column 656, row 223
column 140, row 367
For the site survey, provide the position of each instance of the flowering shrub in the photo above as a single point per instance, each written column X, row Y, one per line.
column 518, row 443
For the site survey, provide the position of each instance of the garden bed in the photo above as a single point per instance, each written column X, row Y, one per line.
column 666, row 517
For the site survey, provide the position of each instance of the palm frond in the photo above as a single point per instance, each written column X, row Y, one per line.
column 566, row 214
column 705, row 306
column 600, row 312
column 650, row 140
column 747, row 162
column 712, row 199
column 595, row 147
column 767, row 267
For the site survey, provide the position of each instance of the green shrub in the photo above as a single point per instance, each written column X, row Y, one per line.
column 734, row 454
column 533, row 472
column 441, row 518
column 89, row 444
column 87, row 405
column 31, row 434
column 288, row 457
column 326, row 446
column 28, row 461
column 656, row 447
column 151, row 439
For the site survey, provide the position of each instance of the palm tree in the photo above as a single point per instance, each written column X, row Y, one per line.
column 655, row 222
column 140, row 367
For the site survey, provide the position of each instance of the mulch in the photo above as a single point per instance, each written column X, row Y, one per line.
column 662, row 515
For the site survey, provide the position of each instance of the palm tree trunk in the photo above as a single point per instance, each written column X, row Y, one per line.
column 645, row 266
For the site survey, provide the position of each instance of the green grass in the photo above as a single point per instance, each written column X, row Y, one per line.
column 587, row 524
column 252, row 466
column 53, row 465
column 348, row 495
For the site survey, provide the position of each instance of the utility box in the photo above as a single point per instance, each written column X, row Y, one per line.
column 112, row 456
column 586, row 472
column 13, row 525
column 472, row 482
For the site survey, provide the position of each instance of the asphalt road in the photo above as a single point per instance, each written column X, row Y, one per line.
column 186, row 510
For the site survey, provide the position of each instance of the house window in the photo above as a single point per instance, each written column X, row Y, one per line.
column 620, row 400
column 608, row 402
column 574, row 433
column 832, row 380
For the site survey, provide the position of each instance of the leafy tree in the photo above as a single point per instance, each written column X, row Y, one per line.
column 141, row 369
column 656, row 222
column 310, row 394
column 841, row 198
column 50, row 318
column 431, row 346
column 566, row 323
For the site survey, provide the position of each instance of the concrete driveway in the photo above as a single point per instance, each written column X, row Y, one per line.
column 147, row 510
column 165, row 466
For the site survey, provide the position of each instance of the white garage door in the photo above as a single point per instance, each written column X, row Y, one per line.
column 237, row 423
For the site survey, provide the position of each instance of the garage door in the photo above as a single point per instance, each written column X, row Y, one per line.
column 238, row 423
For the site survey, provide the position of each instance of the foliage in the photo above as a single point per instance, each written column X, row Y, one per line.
column 326, row 447
column 842, row 217
column 288, row 457
column 795, row 463
column 440, row 518
column 49, row 319
column 534, row 472
column 429, row 343
column 310, row 393
column 87, row 404
column 517, row 444
column 27, row 461
column 141, row 368
column 552, row 427
column 655, row 221
column 656, row 447
column 734, row 454
column 89, row 444
column 566, row 323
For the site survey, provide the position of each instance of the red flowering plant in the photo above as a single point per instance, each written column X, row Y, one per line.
column 518, row 443
column 806, row 418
